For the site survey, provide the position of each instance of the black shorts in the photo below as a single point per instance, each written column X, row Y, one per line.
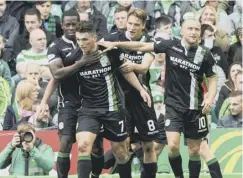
column 161, row 137
column 112, row 124
column 141, row 120
column 67, row 119
column 192, row 122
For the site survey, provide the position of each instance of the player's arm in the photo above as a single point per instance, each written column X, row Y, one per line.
column 144, row 67
column 208, row 65
column 133, row 80
column 133, row 46
column 59, row 71
column 129, row 66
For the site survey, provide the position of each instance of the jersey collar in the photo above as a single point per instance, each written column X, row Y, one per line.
column 69, row 41
column 142, row 39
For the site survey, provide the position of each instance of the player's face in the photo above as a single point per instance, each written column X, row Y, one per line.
column 238, row 82
column 31, row 22
column 208, row 17
column 44, row 9
column 191, row 32
column 135, row 27
column 233, row 70
column 68, row 26
column 235, row 105
column 121, row 20
column 166, row 29
column 2, row 7
column 86, row 41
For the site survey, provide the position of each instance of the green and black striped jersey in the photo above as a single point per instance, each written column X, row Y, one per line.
column 100, row 89
column 185, row 69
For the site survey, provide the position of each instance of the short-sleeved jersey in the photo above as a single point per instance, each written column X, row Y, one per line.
column 185, row 70
column 99, row 85
column 133, row 56
column 68, row 88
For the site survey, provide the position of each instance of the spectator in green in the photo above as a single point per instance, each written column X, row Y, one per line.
column 234, row 119
column 41, row 156
column 50, row 22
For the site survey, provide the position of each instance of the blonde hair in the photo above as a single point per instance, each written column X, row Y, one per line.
column 214, row 12
column 25, row 127
column 139, row 13
column 23, row 94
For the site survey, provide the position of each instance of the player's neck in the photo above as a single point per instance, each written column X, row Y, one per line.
column 187, row 45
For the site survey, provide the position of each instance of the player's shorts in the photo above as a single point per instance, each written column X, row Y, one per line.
column 112, row 124
column 67, row 118
column 161, row 136
column 141, row 120
column 192, row 122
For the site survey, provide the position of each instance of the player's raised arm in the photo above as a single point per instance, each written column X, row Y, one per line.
column 133, row 46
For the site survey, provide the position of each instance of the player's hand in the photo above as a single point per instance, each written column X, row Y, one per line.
column 107, row 44
column 127, row 66
column 146, row 97
column 91, row 58
column 15, row 141
column 207, row 105
column 41, row 109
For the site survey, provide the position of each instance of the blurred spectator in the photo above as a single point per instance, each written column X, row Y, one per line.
column 86, row 9
column 4, row 68
column 235, row 51
column 228, row 86
column 33, row 75
column 120, row 20
column 50, row 22
column 236, row 16
column 36, row 54
column 223, row 20
column 230, row 8
column 40, row 120
column 17, row 9
column 102, row 6
column 9, row 26
column 221, row 67
column 40, row 155
column 234, row 119
column 32, row 21
column 163, row 26
column 225, row 109
column 113, row 6
column 209, row 16
column 158, row 100
column 26, row 94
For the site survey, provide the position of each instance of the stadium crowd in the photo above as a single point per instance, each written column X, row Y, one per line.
column 29, row 28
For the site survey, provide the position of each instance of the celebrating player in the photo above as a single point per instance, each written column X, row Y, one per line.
column 186, row 107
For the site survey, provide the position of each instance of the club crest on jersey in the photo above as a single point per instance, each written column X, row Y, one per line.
column 105, row 61
column 122, row 56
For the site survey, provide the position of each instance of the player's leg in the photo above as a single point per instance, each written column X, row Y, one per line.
column 67, row 119
column 87, row 129
column 196, row 130
column 210, row 159
column 158, row 147
column 194, row 164
column 115, row 130
column 173, row 128
column 97, row 157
